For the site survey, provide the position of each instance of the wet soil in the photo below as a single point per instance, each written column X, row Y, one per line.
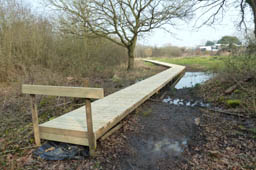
column 165, row 131
column 169, row 135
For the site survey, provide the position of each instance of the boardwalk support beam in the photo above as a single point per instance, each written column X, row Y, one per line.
column 91, row 136
column 35, row 119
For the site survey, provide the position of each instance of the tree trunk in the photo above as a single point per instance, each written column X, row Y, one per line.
column 254, row 23
column 253, row 6
column 131, row 54
column 130, row 59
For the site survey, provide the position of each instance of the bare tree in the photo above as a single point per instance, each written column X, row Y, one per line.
column 122, row 21
column 219, row 7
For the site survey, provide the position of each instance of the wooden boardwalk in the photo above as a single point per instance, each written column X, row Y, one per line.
column 107, row 112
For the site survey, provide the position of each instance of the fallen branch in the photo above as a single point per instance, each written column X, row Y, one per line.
column 228, row 113
column 110, row 132
column 155, row 100
column 163, row 95
column 231, row 89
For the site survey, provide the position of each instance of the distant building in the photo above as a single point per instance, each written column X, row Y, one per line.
column 214, row 48
column 205, row 48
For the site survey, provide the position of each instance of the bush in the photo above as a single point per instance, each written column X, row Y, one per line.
column 241, row 70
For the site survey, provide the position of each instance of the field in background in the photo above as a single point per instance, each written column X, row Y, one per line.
column 197, row 62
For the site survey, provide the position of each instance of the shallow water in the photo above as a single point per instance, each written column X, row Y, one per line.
column 166, row 145
column 190, row 79
column 182, row 102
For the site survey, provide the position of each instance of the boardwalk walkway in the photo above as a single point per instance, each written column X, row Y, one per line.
column 107, row 112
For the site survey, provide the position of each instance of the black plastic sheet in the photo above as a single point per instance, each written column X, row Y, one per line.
column 54, row 151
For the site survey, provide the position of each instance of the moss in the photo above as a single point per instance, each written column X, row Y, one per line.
column 233, row 103
column 242, row 127
column 221, row 99
column 253, row 130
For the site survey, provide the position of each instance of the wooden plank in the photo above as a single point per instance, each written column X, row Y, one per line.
column 111, row 131
column 118, row 118
column 177, row 79
column 66, row 132
column 35, row 119
column 91, row 137
column 64, row 138
column 109, row 111
column 79, row 92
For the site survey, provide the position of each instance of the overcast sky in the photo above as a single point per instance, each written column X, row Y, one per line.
column 185, row 34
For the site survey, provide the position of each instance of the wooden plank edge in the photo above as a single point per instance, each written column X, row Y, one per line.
column 64, row 138
column 66, row 132
column 111, row 131
column 163, row 63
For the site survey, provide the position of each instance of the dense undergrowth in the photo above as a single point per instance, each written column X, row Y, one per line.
column 30, row 43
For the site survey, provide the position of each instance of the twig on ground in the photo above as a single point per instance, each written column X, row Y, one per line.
column 228, row 113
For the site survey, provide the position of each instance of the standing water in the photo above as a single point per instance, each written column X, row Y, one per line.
column 190, row 79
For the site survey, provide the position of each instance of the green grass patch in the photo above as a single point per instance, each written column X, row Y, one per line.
column 197, row 62
column 233, row 103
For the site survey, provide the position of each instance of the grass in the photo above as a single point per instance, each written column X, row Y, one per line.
column 197, row 62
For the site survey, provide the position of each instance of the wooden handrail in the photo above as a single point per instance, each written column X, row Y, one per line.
column 79, row 92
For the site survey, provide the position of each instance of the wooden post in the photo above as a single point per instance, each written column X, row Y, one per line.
column 35, row 119
column 91, row 137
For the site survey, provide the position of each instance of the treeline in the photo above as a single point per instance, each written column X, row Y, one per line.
column 30, row 42
column 165, row 51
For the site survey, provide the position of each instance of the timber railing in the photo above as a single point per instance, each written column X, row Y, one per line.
column 77, row 92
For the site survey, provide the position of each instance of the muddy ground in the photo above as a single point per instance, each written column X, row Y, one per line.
column 164, row 135
column 166, row 131
column 169, row 136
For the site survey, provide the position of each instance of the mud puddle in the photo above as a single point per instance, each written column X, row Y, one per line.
column 167, row 128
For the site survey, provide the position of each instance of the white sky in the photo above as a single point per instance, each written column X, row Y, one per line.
column 185, row 34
